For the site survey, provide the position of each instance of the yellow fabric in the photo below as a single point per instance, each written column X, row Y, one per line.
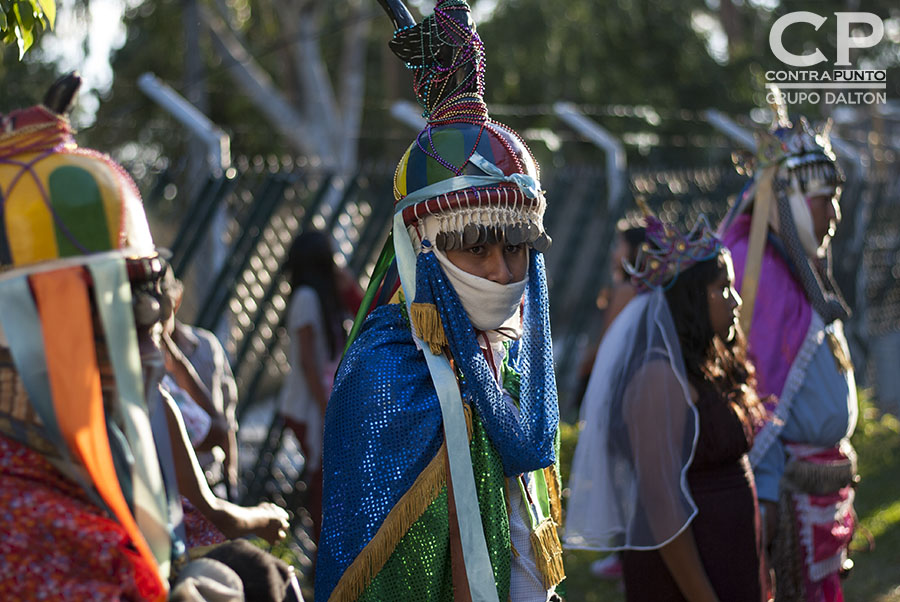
column 29, row 224
column 30, row 227
column 400, row 176
column 553, row 493
column 759, row 227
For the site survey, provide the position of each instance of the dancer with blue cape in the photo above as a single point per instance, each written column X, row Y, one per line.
column 440, row 444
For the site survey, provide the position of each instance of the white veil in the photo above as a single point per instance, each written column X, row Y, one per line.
column 639, row 430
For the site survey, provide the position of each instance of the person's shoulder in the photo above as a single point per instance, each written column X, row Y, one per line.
column 204, row 336
column 383, row 379
column 384, row 338
column 383, row 355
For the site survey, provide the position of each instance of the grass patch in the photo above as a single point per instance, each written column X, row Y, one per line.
column 876, row 576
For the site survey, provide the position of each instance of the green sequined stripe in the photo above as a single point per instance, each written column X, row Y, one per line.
column 490, row 482
column 419, row 567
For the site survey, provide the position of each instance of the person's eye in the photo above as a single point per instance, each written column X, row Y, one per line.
column 476, row 250
column 514, row 249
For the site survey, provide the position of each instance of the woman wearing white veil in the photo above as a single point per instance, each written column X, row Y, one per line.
column 660, row 470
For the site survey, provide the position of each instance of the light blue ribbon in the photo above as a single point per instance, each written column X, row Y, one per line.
column 479, row 571
column 528, row 185
column 22, row 326
column 112, row 292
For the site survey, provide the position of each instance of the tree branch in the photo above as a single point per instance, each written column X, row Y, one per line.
column 258, row 86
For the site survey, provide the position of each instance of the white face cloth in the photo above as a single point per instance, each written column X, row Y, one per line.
column 488, row 304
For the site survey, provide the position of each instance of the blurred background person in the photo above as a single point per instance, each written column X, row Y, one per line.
column 197, row 364
column 780, row 232
column 624, row 252
column 661, row 470
column 315, row 319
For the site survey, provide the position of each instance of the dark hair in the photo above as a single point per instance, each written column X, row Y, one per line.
column 708, row 360
column 265, row 577
column 633, row 237
column 310, row 262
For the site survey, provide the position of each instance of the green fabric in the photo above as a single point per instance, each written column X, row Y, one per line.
column 419, row 568
column 543, row 495
column 450, row 145
column 78, row 203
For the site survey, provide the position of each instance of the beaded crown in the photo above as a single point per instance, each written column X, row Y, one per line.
column 460, row 139
column 668, row 252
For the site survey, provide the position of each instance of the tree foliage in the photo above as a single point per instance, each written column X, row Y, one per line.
column 648, row 57
column 22, row 21
column 602, row 54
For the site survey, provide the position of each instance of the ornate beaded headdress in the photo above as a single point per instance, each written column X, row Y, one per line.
column 797, row 148
column 477, row 177
column 793, row 162
column 61, row 200
column 668, row 252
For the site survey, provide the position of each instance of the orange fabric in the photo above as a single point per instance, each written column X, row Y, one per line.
column 64, row 308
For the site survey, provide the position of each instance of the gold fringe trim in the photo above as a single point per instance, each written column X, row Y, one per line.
column 406, row 511
column 555, row 499
column 427, row 322
column 548, row 553
column 467, row 412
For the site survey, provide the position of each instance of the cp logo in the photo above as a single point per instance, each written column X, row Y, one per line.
column 845, row 41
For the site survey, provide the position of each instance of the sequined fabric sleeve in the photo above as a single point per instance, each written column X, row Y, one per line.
column 382, row 428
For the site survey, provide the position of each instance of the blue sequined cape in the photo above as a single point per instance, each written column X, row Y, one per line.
column 383, row 430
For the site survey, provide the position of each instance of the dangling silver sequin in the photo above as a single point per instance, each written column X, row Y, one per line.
column 515, row 235
column 482, row 235
column 470, row 234
column 542, row 243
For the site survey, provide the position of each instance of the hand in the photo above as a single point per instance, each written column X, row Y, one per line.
column 271, row 522
column 265, row 520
